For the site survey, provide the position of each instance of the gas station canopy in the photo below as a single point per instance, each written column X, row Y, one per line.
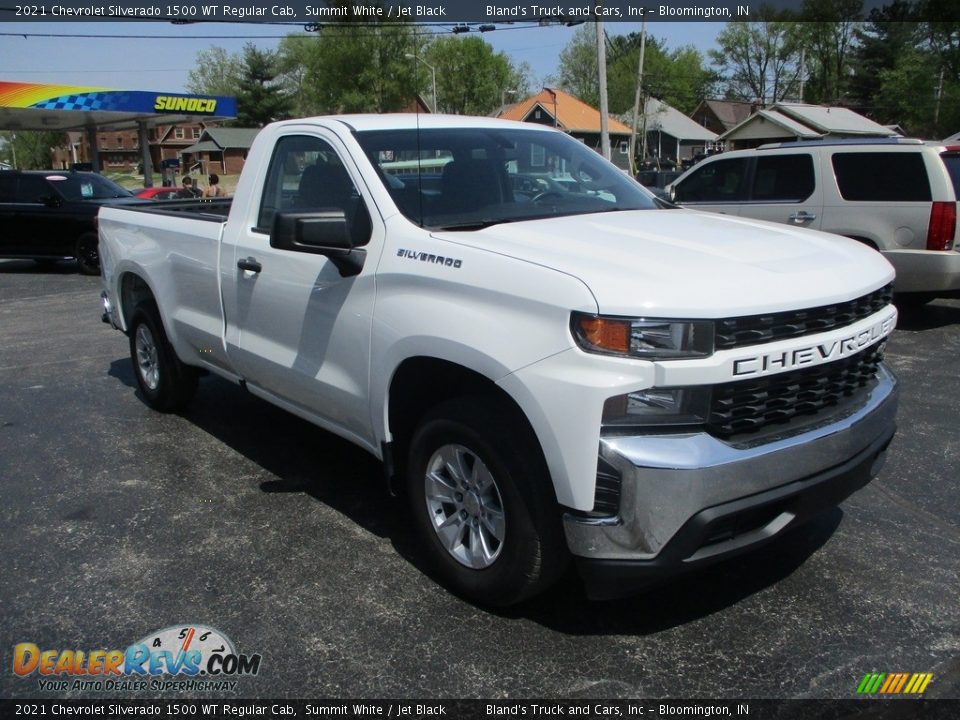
column 35, row 106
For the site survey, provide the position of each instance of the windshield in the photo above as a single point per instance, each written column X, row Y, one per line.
column 86, row 186
column 469, row 178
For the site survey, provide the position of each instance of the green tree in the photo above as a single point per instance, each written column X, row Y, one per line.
column 826, row 33
column 881, row 43
column 759, row 60
column 351, row 67
column 260, row 98
column 30, row 149
column 907, row 95
column 679, row 77
column 472, row 79
column 216, row 72
column 942, row 32
column 578, row 66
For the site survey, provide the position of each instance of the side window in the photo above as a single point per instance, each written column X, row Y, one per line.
column 882, row 176
column 8, row 187
column 719, row 181
column 305, row 175
column 32, row 189
column 783, row 178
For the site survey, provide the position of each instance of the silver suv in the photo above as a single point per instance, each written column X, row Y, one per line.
column 899, row 196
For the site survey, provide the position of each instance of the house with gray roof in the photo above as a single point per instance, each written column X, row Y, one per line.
column 671, row 135
column 785, row 121
column 218, row 150
column 722, row 115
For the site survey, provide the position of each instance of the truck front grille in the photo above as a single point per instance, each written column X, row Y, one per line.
column 751, row 405
column 759, row 329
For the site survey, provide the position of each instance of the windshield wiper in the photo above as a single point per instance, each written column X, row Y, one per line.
column 475, row 224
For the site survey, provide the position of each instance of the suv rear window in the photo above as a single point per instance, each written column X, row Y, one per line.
column 882, row 177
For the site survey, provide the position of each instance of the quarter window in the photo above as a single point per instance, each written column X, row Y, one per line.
column 952, row 162
column 882, row 176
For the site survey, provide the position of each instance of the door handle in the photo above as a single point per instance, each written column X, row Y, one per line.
column 802, row 217
column 249, row 264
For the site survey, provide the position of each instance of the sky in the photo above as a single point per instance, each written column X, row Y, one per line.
column 161, row 59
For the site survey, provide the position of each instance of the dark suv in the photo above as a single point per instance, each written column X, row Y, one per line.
column 48, row 215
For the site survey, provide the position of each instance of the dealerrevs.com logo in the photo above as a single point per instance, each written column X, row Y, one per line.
column 187, row 657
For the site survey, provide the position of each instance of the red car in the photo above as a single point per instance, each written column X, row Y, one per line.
column 158, row 193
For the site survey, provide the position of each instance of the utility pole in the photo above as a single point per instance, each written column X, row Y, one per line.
column 803, row 70
column 936, row 107
column 636, row 101
column 602, row 72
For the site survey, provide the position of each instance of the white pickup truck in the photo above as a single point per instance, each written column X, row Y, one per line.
column 549, row 362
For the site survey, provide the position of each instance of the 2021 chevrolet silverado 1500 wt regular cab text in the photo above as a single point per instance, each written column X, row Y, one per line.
column 575, row 371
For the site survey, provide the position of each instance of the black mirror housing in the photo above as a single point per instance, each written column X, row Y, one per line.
column 321, row 232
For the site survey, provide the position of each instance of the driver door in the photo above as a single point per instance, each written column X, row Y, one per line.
column 297, row 330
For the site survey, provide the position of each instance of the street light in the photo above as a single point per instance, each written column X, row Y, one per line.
column 503, row 97
column 433, row 72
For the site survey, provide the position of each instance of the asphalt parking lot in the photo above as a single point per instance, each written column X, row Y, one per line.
column 117, row 521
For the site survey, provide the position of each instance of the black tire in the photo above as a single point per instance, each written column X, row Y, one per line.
column 88, row 254
column 912, row 302
column 166, row 383
column 530, row 552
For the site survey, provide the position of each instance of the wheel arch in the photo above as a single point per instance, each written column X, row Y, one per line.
column 420, row 383
column 132, row 289
column 866, row 241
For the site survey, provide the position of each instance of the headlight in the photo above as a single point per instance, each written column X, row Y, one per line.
column 659, row 407
column 649, row 338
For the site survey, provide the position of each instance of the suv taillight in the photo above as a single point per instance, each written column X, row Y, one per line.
column 943, row 225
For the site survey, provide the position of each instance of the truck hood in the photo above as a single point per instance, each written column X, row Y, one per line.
column 685, row 263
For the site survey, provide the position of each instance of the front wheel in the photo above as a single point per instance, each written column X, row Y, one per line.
column 912, row 302
column 166, row 383
column 482, row 502
column 88, row 254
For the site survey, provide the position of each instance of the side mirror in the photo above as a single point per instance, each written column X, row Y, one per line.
column 672, row 192
column 322, row 232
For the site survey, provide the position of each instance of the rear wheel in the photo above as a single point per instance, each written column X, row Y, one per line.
column 166, row 383
column 88, row 254
column 482, row 502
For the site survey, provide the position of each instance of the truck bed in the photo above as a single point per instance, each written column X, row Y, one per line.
column 210, row 209
column 176, row 244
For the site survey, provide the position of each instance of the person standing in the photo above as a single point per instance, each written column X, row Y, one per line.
column 213, row 189
column 187, row 190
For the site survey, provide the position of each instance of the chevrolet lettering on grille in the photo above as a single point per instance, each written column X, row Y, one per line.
column 822, row 352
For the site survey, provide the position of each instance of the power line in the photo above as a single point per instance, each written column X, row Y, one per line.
column 417, row 32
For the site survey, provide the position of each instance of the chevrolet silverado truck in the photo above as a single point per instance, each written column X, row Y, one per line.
column 578, row 372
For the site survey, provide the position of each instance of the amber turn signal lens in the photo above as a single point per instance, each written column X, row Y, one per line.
column 606, row 334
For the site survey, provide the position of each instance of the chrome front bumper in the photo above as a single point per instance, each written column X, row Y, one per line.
column 686, row 498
